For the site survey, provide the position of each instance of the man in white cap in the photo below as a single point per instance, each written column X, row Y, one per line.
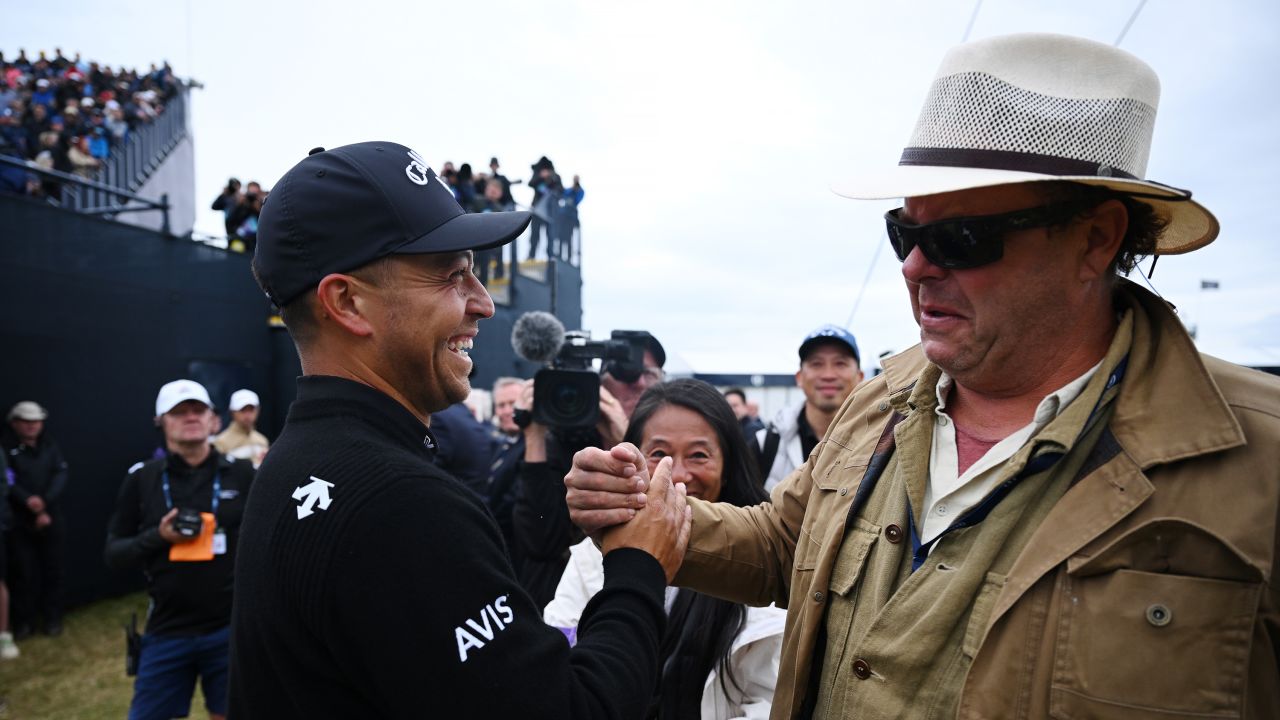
column 177, row 518
column 1054, row 506
column 241, row 440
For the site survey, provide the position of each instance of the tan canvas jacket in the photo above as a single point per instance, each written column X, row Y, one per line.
column 1147, row 592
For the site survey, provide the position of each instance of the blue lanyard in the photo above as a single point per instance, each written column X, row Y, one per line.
column 217, row 490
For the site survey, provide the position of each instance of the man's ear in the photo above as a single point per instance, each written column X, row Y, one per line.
column 340, row 299
column 1105, row 233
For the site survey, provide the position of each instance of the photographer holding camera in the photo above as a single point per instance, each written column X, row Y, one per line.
column 557, row 425
column 227, row 201
column 178, row 519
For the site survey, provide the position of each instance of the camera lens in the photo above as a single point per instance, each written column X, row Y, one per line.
column 566, row 398
column 569, row 401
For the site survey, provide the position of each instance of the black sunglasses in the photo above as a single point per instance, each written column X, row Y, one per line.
column 970, row 242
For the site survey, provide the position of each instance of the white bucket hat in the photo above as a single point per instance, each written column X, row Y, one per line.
column 1039, row 107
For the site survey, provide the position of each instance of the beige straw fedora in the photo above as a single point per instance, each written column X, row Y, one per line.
column 1039, row 107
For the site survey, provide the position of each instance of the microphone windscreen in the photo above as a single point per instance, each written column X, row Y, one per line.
column 537, row 336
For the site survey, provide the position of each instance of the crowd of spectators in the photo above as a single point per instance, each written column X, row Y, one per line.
column 554, row 206
column 70, row 114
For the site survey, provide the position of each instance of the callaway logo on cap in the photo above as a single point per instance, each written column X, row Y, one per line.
column 340, row 209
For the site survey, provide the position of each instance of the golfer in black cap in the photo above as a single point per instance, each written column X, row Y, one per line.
column 369, row 583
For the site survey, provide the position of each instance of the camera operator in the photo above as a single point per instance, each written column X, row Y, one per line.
column 178, row 519
column 543, row 532
column 245, row 237
column 227, row 202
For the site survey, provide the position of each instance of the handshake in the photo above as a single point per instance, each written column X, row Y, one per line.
column 612, row 497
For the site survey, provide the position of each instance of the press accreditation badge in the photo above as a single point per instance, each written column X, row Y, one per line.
column 220, row 542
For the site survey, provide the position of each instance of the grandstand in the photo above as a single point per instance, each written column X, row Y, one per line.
column 111, row 295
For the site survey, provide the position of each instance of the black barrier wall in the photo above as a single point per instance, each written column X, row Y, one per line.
column 97, row 316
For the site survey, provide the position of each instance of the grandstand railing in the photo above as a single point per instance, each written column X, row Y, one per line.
column 128, row 166
column 114, row 200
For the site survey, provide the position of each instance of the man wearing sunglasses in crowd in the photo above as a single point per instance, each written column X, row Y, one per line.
column 1054, row 505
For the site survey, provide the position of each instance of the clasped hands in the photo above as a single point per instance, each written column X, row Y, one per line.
column 612, row 497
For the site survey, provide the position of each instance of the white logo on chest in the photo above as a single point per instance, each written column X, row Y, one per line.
column 313, row 493
column 417, row 169
column 469, row 635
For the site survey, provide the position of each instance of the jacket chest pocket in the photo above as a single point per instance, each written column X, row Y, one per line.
column 1135, row 644
column 824, row 518
column 851, row 560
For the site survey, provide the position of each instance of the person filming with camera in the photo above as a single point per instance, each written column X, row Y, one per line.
column 178, row 519
column 556, row 424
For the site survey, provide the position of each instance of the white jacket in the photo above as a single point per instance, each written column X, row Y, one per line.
column 789, row 456
column 753, row 656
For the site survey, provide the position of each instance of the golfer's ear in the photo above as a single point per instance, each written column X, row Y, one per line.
column 343, row 301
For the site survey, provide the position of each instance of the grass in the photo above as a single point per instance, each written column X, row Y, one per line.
column 79, row 674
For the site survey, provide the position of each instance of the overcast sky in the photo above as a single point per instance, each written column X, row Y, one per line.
column 706, row 135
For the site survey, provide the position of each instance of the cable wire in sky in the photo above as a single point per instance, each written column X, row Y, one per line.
column 974, row 18
column 1134, row 16
column 863, row 290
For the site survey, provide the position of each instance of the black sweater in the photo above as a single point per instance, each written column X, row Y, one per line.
column 398, row 601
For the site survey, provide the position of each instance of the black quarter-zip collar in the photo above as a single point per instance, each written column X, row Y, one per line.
column 326, row 396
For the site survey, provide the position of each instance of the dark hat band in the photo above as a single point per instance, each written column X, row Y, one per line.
column 1010, row 160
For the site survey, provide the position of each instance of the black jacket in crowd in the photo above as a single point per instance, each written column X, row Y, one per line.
column 40, row 471
column 187, row 598
column 541, row 526
column 5, row 514
column 395, row 599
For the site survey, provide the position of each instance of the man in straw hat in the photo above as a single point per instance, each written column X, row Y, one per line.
column 1053, row 505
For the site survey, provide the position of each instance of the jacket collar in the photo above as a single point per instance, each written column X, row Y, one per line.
column 175, row 463
column 1166, row 380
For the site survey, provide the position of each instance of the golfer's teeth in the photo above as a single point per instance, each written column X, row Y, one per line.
column 462, row 346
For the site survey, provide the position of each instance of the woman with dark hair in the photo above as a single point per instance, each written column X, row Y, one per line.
column 720, row 658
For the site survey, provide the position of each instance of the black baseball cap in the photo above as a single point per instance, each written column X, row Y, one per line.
column 341, row 209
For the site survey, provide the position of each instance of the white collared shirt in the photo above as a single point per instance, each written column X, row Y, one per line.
column 949, row 493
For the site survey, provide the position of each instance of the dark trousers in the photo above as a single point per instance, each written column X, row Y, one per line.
column 35, row 577
column 536, row 227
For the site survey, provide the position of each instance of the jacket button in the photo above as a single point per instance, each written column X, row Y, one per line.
column 884, row 406
column 861, row 669
column 844, row 491
column 893, row 534
column 1159, row 615
column 817, row 597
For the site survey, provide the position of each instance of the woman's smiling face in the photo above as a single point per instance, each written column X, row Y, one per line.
column 690, row 441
